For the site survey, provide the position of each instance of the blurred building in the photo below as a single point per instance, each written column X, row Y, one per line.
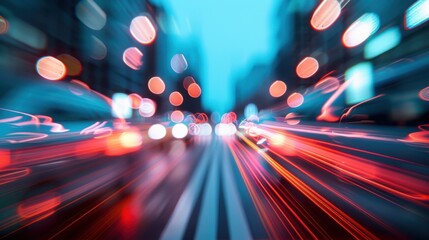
column 393, row 72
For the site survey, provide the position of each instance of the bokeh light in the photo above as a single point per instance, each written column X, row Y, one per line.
column 51, row 68
column 131, row 139
column 188, row 81
column 383, row 42
column 179, row 131
column 176, row 99
column 417, row 14
column 205, row 129
column 307, row 67
column 25, row 33
column 73, row 65
column 147, row 107
column 361, row 29
column 250, row 110
column 98, row 49
column 157, row 132
column 194, row 90
column 136, row 100
column 177, row 116
column 295, row 100
column 325, row 14
column 4, row 25
column 200, row 118
column 292, row 119
column 360, row 79
column 132, row 57
column 156, row 85
column 178, row 63
column 424, row 94
column 90, row 14
column 230, row 117
column 143, row 30
column 277, row 89
column 121, row 106
column 225, row 129
column 194, row 129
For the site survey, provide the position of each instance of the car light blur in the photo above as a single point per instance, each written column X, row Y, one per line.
column 180, row 131
column 40, row 206
column 10, row 175
column 122, row 143
column 223, row 129
column 156, row 132
column 131, row 139
column 4, row 158
column 205, row 129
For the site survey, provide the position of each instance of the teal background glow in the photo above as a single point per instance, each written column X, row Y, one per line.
column 361, row 83
column 383, row 42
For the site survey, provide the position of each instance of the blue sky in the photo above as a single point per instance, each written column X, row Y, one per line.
column 232, row 35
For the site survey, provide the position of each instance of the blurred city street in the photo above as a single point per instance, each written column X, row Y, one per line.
column 162, row 119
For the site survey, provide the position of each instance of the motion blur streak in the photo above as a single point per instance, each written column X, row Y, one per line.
column 43, row 204
column 11, row 174
column 417, row 14
column 340, row 217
